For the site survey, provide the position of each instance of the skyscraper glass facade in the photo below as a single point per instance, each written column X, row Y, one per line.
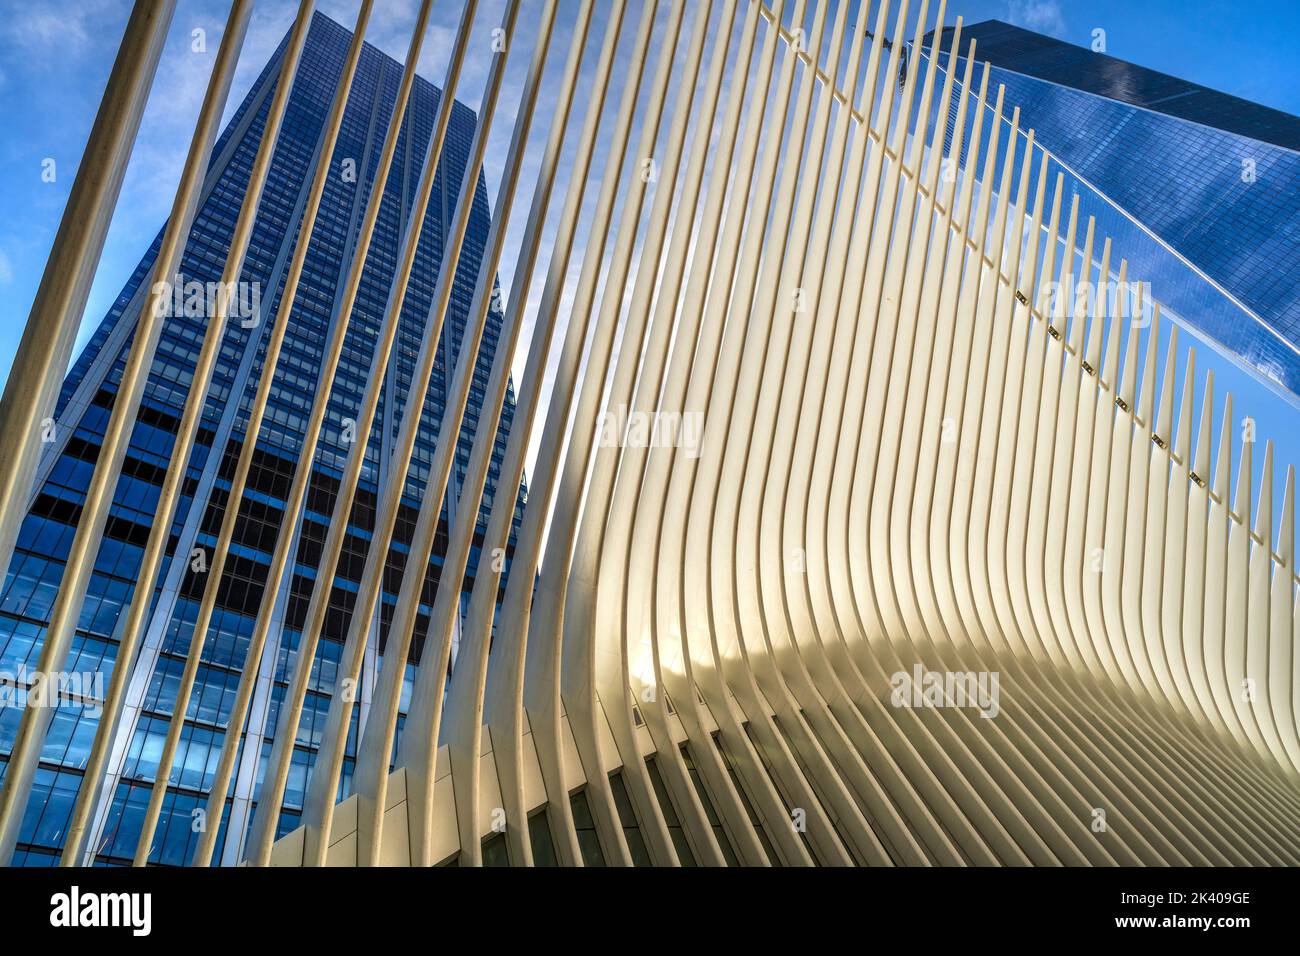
column 1191, row 175
column 87, row 399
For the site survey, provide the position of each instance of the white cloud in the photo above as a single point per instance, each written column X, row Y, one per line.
column 6, row 269
column 57, row 30
column 44, row 30
column 1041, row 16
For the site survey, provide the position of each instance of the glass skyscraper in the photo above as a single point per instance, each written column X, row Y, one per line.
column 84, row 407
column 1189, row 176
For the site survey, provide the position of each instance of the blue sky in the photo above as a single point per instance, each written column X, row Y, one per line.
column 55, row 57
